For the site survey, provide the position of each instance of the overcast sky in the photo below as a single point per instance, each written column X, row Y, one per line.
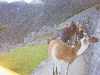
column 28, row 1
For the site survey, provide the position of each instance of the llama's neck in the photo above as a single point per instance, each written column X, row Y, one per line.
column 82, row 48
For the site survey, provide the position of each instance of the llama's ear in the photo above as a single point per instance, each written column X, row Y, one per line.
column 48, row 41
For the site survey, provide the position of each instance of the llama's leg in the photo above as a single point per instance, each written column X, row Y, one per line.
column 66, row 68
column 58, row 68
column 54, row 68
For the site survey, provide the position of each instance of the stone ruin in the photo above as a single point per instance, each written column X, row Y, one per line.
column 43, row 32
column 31, row 39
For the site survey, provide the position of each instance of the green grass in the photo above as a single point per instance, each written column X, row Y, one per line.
column 24, row 60
column 46, row 37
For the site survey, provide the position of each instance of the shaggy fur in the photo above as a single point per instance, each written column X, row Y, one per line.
column 63, row 51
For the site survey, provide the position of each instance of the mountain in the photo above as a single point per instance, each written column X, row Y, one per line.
column 23, row 18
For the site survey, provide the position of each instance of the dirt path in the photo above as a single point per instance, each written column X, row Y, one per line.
column 78, row 67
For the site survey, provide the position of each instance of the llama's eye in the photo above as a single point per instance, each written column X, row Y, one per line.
column 93, row 39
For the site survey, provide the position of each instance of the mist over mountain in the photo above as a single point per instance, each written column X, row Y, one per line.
column 23, row 18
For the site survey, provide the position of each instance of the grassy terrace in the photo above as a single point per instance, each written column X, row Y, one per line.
column 24, row 60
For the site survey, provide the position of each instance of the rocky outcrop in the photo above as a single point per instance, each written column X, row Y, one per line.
column 93, row 54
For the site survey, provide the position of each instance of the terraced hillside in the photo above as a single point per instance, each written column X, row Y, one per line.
column 22, row 18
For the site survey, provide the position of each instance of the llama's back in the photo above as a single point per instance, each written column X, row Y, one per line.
column 61, row 50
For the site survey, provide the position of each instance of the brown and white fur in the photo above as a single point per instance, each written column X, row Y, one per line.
column 62, row 52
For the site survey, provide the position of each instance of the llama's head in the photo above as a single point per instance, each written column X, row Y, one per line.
column 87, row 39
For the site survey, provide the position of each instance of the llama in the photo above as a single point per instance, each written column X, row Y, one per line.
column 62, row 52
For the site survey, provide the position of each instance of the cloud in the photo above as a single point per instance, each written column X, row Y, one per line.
column 38, row 1
column 10, row 1
column 27, row 1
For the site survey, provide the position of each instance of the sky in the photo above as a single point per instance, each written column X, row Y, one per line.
column 28, row 1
